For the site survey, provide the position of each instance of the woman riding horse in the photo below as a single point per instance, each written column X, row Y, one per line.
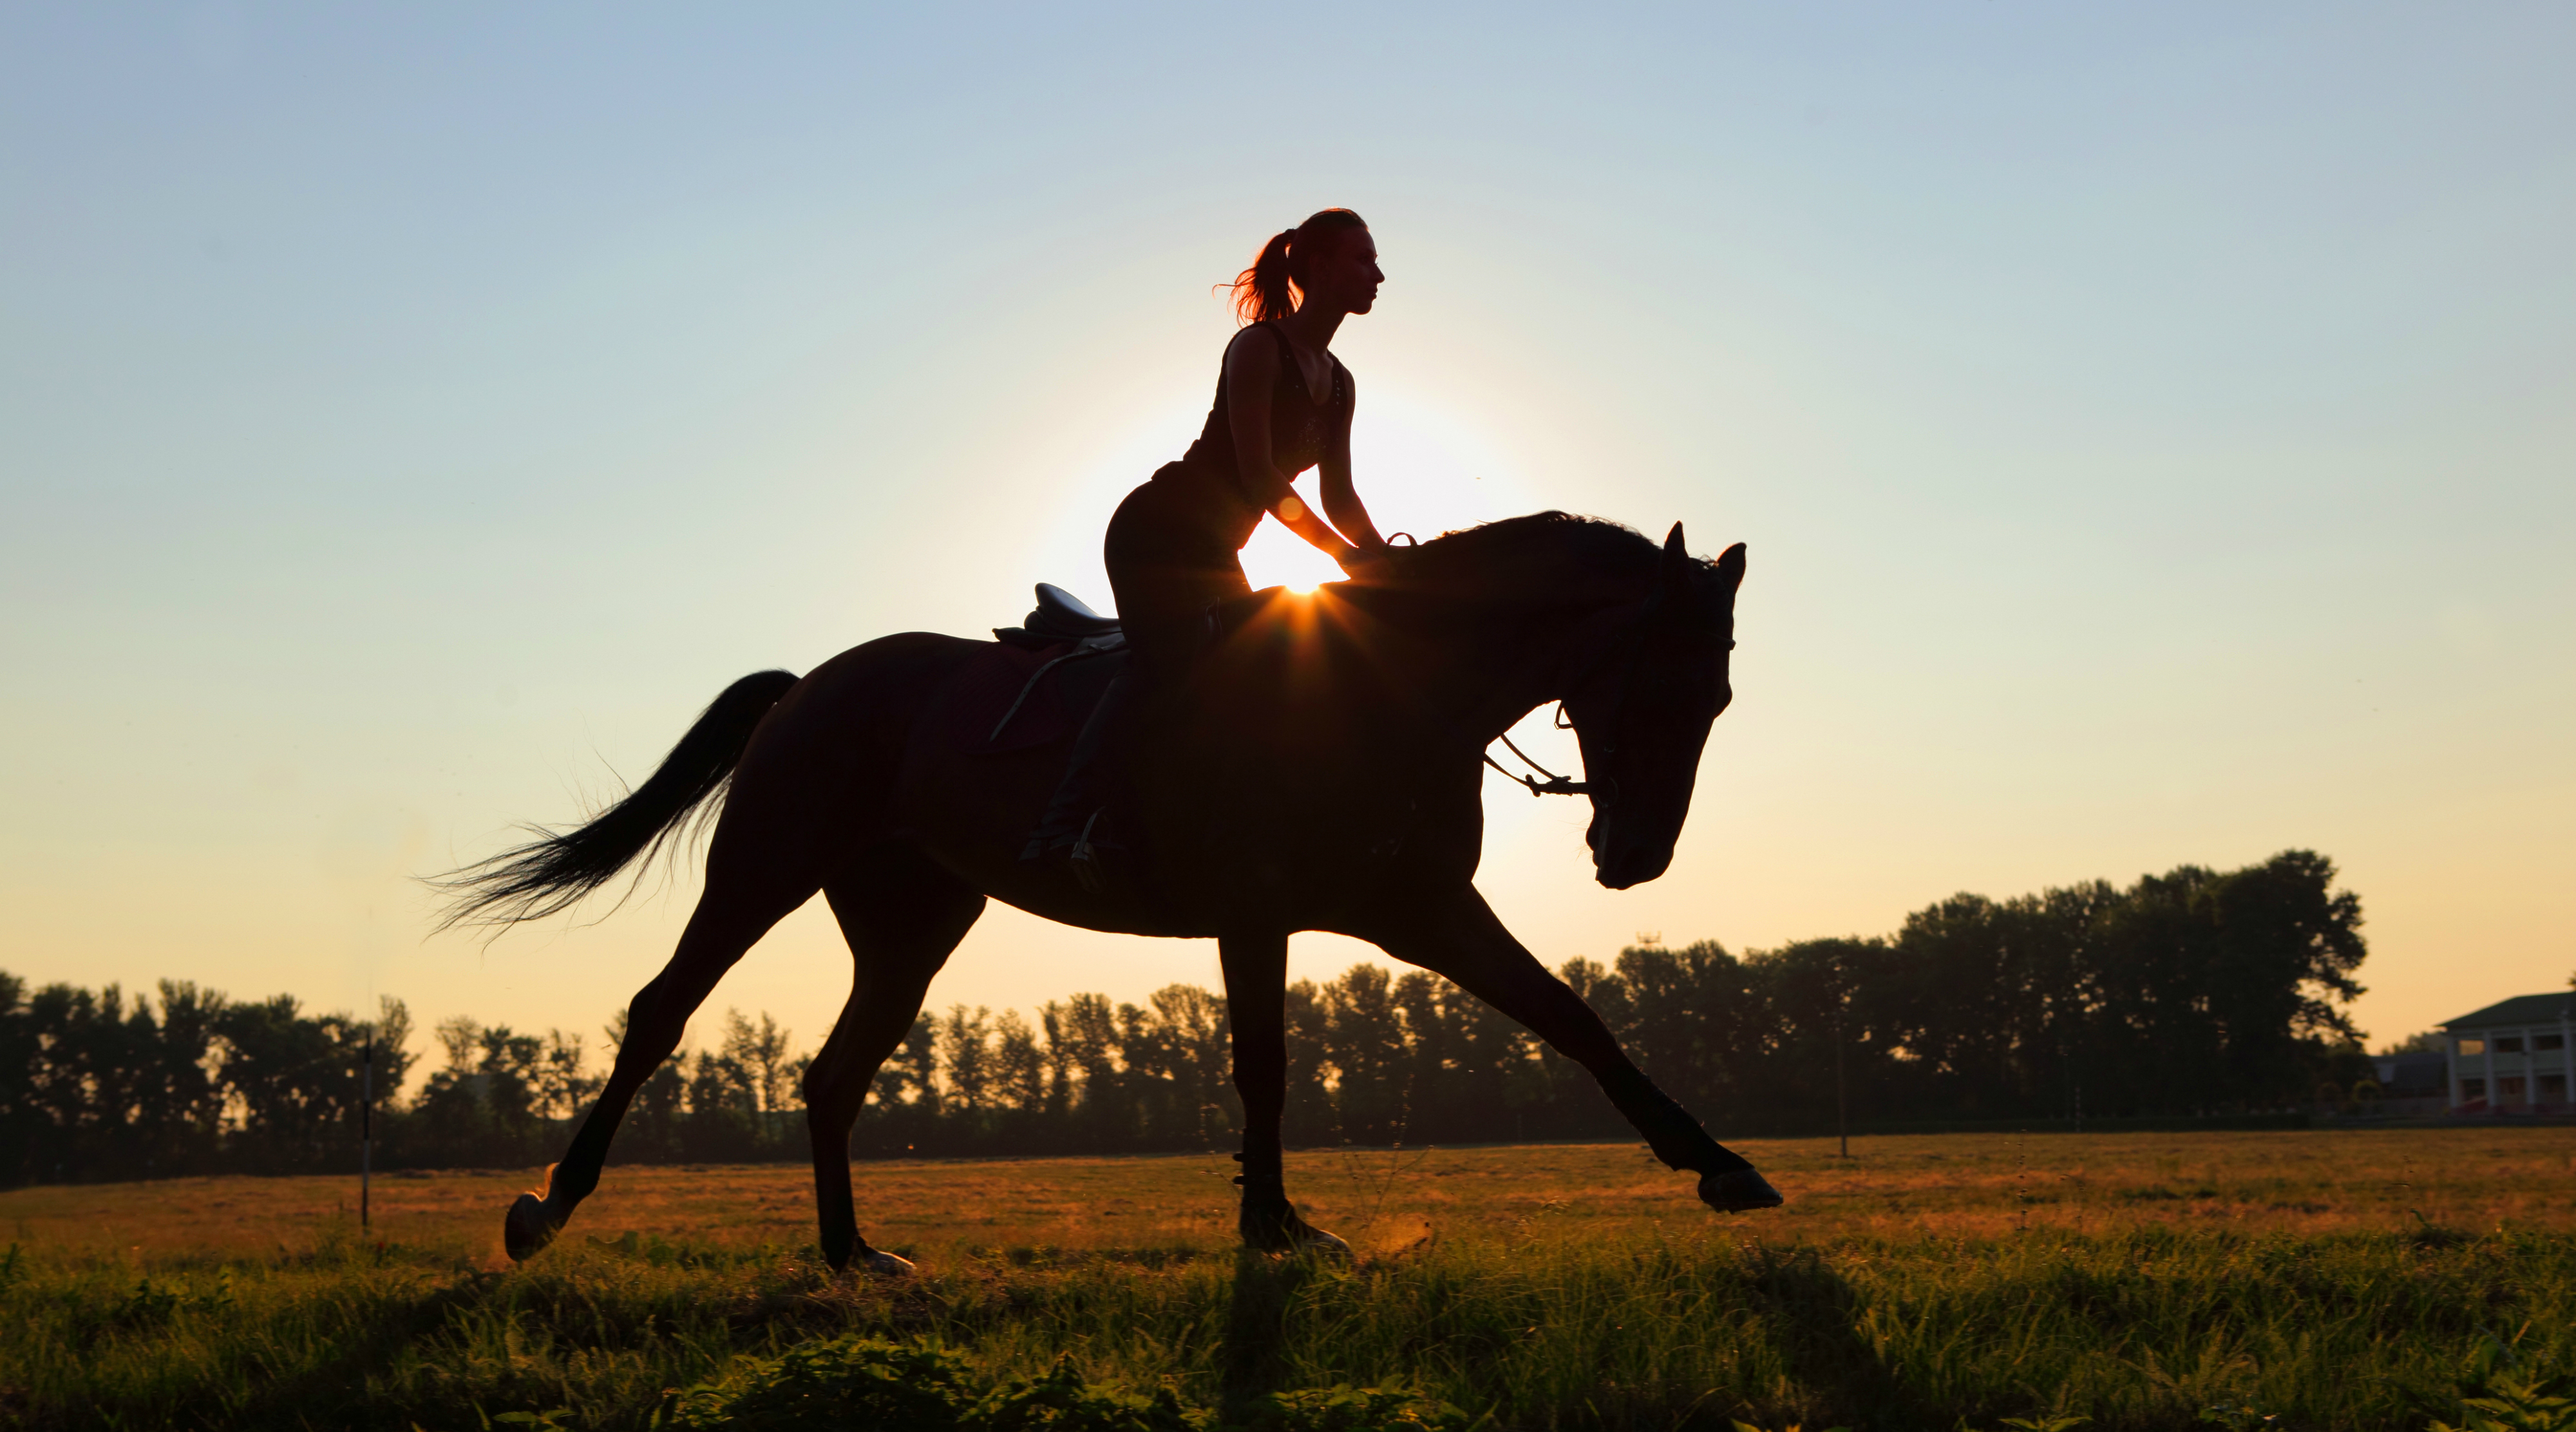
column 1324, row 772
column 1283, row 405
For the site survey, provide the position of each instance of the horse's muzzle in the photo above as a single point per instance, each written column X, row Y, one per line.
column 1619, row 864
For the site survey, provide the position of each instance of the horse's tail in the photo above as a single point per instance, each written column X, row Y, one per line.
column 558, row 869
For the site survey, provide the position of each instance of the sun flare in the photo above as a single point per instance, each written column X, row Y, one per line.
column 1277, row 557
column 1421, row 470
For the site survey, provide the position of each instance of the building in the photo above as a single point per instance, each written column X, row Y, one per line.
column 2513, row 1058
column 2413, row 1085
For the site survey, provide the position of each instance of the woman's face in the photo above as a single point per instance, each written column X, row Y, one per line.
column 1346, row 276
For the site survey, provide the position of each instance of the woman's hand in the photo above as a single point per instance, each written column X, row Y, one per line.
column 1365, row 561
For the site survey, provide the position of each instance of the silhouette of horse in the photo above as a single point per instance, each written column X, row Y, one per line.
column 1319, row 769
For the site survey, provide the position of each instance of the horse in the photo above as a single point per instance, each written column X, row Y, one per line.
column 1319, row 767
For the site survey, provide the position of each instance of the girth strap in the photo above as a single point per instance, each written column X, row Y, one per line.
column 1091, row 646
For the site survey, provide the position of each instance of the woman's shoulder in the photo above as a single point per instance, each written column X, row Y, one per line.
column 1255, row 356
column 1269, row 328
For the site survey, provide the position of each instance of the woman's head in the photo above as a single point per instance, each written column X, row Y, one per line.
column 1330, row 258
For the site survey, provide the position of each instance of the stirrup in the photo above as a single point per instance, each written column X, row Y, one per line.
column 1088, row 866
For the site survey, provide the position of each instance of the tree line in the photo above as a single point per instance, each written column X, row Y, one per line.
column 2194, row 992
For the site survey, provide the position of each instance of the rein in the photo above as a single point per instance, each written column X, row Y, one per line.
column 1556, row 785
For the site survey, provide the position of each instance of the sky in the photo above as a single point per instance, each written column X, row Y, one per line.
column 2152, row 428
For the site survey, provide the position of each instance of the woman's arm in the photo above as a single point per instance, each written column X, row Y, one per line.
column 1251, row 370
column 1341, row 500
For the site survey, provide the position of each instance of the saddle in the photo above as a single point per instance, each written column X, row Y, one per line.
column 1060, row 617
column 1004, row 701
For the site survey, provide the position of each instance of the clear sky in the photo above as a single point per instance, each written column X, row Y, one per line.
column 2154, row 429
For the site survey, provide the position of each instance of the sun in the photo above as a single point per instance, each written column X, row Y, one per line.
column 1422, row 469
column 1277, row 557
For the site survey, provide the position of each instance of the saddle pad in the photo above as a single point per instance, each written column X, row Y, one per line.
column 1054, row 710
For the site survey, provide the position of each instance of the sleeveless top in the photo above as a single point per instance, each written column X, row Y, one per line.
column 1300, row 430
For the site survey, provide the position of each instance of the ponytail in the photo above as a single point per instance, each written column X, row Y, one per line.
column 1272, row 287
column 1262, row 292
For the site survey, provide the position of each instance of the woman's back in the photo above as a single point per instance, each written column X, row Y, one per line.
column 1301, row 428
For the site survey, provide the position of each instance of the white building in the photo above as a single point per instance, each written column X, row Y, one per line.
column 2513, row 1058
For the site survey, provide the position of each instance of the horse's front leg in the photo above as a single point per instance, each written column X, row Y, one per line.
column 1256, row 978
column 1457, row 935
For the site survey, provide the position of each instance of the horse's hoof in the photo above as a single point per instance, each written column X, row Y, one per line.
column 528, row 1228
column 1317, row 1243
column 1282, row 1231
column 1738, row 1190
column 884, row 1264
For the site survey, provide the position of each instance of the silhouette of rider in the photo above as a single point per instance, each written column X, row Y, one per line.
column 1283, row 405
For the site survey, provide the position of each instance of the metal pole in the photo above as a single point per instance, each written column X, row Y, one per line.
column 1842, row 1106
column 366, row 1128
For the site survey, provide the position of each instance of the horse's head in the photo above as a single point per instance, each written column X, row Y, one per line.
column 1643, row 707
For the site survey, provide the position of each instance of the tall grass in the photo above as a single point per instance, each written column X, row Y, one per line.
column 2162, row 1282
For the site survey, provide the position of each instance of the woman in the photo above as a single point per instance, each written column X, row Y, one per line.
column 1283, row 405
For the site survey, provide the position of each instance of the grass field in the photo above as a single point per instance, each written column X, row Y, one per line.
column 2333, row 1279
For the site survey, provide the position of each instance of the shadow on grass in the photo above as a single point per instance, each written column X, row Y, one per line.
column 1814, row 1318
column 1252, row 1362
column 333, row 1389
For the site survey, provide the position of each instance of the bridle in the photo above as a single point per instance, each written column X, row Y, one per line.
column 1632, row 644
column 1554, row 785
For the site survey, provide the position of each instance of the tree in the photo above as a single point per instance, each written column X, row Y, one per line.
column 393, row 1054
column 1019, row 1066
column 1490, row 1075
column 1174, row 1048
column 511, row 1067
column 1087, row 1031
column 1984, row 1002
column 1310, row 1117
column 724, row 1100
column 1365, row 1045
column 2194, row 991
column 966, row 1048
column 1689, row 1016
column 761, row 1052
column 911, row 1075
column 179, row 1099
column 292, row 1081
column 1060, row 1071
column 564, row 1084
column 657, row 1118
column 487, row 1107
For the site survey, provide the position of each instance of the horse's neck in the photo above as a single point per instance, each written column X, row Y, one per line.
column 1507, row 673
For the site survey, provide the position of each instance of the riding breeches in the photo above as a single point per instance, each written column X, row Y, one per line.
column 1171, row 554
column 1170, row 559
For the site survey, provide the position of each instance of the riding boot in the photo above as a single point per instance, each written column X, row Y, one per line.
column 1073, row 816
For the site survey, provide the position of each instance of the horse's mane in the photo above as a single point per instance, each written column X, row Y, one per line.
column 1537, row 557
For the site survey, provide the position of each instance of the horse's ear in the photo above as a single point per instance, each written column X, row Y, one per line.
column 1672, row 573
column 1730, row 566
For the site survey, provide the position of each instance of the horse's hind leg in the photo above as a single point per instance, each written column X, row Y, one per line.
column 902, row 916
column 1458, row 936
column 743, row 898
